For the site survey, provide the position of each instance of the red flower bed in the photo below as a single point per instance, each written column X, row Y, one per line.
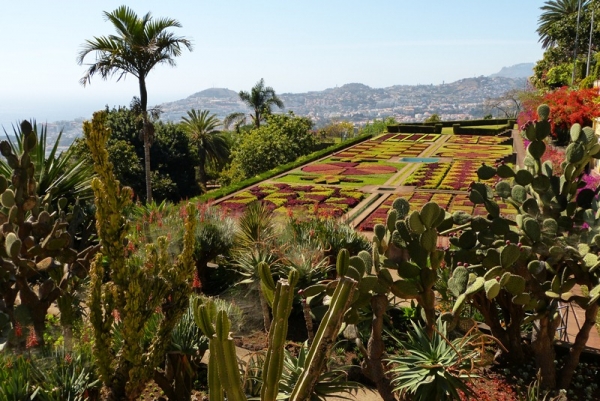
column 452, row 203
column 329, row 200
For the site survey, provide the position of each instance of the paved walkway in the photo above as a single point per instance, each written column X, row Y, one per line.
column 574, row 317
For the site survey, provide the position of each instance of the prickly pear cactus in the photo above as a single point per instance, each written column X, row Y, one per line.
column 410, row 248
column 530, row 264
column 39, row 265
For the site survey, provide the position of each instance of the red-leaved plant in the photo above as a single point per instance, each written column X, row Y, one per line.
column 567, row 107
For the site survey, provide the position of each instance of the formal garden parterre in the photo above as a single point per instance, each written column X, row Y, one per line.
column 425, row 167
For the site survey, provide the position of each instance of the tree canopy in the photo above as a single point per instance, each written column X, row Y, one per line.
column 139, row 45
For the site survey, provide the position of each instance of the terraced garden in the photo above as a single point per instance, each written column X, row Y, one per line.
column 360, row 183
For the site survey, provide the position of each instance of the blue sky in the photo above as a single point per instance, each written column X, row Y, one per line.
column 296, row 46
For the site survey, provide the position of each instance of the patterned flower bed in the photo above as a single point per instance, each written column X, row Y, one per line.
column 489, row 153
column 382, row 150
column 460, row 175
column 334, row 172
column 414, row 137
column 452, row 203
column 316, row 199
column 481, row 140
column 455, row 176
column 429, row 175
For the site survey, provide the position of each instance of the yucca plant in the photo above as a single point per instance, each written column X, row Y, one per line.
column 432, row 369
column 58, row 174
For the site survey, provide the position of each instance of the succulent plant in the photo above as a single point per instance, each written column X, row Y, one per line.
column 38, row 264
column 131, row 288
column 530, row 264
column 223, row 373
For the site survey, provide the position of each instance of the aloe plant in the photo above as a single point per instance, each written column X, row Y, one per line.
column 131, row 289
column 431, row 367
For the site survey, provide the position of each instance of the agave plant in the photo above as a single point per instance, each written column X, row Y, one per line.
column 57, row 174
column 65, row 376
column 432, row 368
column 331, row 381
column 248, row 261
column 255, row 227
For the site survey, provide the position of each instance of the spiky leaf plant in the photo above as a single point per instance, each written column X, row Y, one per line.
column 432, row 368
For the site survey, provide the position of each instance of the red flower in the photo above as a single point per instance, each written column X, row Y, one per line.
column 32, row 340
column 196, row 283
column 18, row 330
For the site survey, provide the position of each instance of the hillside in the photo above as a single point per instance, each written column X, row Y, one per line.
column 354, row 102
column 360, row 103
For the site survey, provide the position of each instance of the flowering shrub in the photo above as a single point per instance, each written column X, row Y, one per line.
column 567, row 107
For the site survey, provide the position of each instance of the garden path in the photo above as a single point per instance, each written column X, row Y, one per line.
column 574, row 316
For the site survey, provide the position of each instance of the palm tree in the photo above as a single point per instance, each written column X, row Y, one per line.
column 553, row 14
column 139, row 45
column 212, row 146
column 261, row 99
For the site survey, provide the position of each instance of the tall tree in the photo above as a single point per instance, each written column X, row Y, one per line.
column 261, row 99
column 556, row 20
column 139, row 45
column 211, row 145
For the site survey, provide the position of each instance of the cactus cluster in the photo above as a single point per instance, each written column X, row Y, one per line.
column 223, row 373
column 38, row 263
column 408, row 244
column 530, row 264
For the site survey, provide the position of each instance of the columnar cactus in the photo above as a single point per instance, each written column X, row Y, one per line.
column 38, row 263
column 128, row 291
column 223, row 373
column 533, row 263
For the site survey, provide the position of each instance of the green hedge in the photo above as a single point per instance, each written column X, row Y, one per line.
column 415, row 129
column 222, row 192
column 462, row 130
column 469, row 123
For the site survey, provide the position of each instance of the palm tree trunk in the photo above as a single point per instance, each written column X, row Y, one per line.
column 201, row 169
column 146, row 135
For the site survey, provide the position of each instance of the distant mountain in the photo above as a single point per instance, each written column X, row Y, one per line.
column 360, row 103
column 354, row 102
column 523, row 70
